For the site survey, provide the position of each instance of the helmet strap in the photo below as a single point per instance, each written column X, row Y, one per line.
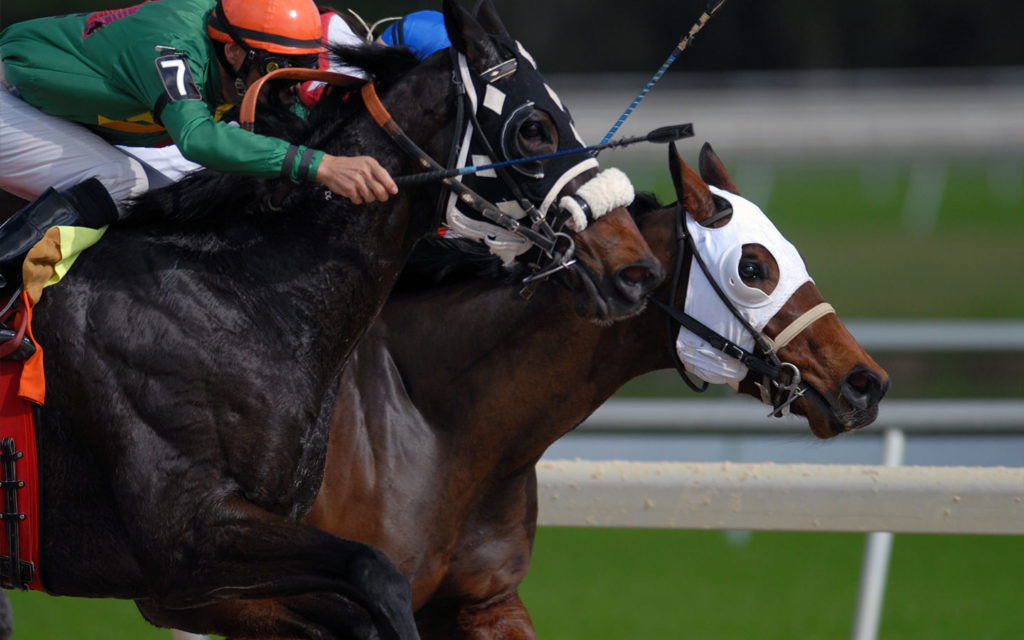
column 239, row 75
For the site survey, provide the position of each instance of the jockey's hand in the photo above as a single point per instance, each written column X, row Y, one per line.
column 358, row 178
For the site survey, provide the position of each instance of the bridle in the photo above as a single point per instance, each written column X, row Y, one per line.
column 781, row 383
column 556, row 246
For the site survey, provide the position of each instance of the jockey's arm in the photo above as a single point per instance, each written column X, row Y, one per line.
column 224, row 147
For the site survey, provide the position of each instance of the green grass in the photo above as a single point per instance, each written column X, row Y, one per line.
column 41, row 617
column 626, row 584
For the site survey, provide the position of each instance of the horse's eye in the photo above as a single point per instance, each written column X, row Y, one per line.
column 751, row 271
column 531, row 130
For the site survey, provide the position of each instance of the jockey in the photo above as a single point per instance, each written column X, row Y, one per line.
column 158, row 73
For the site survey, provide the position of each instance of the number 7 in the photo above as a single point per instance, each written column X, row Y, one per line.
column 179, row 75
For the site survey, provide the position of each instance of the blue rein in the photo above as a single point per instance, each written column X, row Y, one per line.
column 713, row 6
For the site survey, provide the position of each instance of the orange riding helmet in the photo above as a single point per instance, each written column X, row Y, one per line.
column 286, row 27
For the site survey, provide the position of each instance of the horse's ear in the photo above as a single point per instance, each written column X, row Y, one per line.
column 468, row 37
column 489, row 18
column 690, row 189
column 712, row 170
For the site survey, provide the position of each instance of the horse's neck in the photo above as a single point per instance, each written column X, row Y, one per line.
column 511, row 375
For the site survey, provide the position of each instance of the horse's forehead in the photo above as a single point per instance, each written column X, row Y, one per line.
column 722, row 248
column 502, row 100
column 749, row 225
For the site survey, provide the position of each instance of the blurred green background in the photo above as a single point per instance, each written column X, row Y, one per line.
column 611, row 35
column 871, row 259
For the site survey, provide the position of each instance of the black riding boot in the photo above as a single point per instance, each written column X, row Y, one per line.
column 87, row 204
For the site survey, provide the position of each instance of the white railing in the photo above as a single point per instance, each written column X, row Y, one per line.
column 781, row 497
column 765, row 496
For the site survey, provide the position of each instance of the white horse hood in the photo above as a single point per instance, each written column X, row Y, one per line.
column 721, row 249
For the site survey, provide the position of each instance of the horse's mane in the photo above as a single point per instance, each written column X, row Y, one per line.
column 208, row 194
column 438, row 262
column 644, row 202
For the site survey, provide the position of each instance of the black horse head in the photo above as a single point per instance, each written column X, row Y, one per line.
column 512, row 114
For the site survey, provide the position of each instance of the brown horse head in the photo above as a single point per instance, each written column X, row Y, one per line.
column 783, row 320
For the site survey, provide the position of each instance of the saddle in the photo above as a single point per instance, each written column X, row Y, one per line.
column 21, row 392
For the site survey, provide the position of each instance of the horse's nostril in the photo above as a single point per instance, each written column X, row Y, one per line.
column 636, row 280
column 635, row 273
column 639, row 278
column 863, row 388
column 858, row 381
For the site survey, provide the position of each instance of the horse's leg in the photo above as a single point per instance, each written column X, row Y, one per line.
column 479, row 598
column 243, row 551
column 6, row 616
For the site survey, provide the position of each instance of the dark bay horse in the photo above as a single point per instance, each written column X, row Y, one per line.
column 439, row 424
column 194, row 358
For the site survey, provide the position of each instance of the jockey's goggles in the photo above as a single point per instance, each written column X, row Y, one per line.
column 272, row 62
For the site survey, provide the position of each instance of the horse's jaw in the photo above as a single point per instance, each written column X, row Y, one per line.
column 828, row 414
column 826, row 419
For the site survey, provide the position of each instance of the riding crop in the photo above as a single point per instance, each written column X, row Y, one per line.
column 659, row 135
column 713, row 6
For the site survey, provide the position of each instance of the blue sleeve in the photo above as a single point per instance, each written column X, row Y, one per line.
column 422, row 32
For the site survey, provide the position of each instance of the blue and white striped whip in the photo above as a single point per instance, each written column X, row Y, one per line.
column 713, row 6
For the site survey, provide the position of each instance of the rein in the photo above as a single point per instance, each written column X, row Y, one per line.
column 781, row 383
column 558, row 246
column 247, row 117
column 386, row 122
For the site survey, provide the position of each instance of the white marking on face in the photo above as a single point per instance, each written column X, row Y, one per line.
column 554, row 96
column 576, row 133
column 494, row 99
column 479, row 161
column 526, row 54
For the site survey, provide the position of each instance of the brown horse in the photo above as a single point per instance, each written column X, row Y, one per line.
column 194, row 357
column 440, row 422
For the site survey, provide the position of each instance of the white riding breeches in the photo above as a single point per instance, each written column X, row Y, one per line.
column 38, row 151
